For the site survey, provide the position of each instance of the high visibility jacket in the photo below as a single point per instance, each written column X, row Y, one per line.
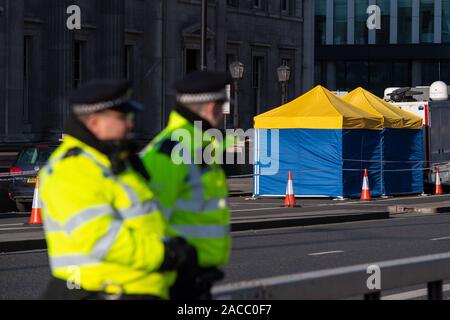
column 104, row 232
column 193, row 196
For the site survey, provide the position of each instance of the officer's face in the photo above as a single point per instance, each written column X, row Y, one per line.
column 111, row 125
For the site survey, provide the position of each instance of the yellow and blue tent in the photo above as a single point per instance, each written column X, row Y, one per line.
column 326, row 143
column 401, row 144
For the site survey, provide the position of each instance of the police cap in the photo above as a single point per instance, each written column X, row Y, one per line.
column 202, row 86
column 100, row 95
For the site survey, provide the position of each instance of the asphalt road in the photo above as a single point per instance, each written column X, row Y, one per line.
column 268, row 253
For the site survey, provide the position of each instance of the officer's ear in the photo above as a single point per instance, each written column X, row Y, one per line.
column 211, row 107
column 91, row 122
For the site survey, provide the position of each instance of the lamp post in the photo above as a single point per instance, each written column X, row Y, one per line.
column 284, row 74
column 204, row 27
column 237, row 73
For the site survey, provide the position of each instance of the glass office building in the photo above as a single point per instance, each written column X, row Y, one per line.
column 411, row 46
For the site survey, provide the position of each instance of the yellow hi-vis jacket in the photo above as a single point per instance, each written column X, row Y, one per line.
column 104, row 232
column 193, row 196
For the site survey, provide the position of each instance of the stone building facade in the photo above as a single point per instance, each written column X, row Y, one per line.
column 151, row 42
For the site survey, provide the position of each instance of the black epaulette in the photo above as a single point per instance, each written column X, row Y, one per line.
column 73, row 153
column 167, row 146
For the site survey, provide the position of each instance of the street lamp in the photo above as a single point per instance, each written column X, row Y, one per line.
column 237, row 73
column 284, row 74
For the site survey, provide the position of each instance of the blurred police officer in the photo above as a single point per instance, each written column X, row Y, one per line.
column 104, row 231
column 194, row 196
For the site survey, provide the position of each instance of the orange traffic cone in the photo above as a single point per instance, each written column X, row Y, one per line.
column 290, row 197
column 438, row 183
column 365, row 193
column 35, row 217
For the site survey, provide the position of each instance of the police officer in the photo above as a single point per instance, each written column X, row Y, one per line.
column 194, row 193
column 106, row 237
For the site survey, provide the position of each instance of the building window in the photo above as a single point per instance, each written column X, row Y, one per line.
column 286, row 6
column 258, row 4
column 427, row 21
column 341, row 80
column 77, row 64
column 286, row 62
column 445, row 71
column 320, row 73
column 340, row 21
column 320, row 21
column 383, row 34
column 361, row 31
column 291, row 83
column 129, row 62
column 192, row 60
column 379, row 76
column 231, row 57
column 430, row 71
column 357, row 74
column 27, row 79
column 401, row 74
column 233, row 3
column 446, row 21
column 404, row 21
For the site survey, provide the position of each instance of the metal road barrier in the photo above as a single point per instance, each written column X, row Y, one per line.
column 347, row 282
column 10, row 176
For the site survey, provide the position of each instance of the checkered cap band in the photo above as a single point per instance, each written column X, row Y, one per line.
column 84, row 109
column 190, row 98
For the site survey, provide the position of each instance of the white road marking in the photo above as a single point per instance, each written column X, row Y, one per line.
column 384, row 200
column 350, row 202
column 259, row 204
column 259, row 209
column 412, row 294
column 22, row 252
column 11, row 224
column 29, row 228
column 324, row 253
column 439, row 239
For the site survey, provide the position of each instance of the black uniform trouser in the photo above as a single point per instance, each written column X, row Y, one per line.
column 57, row 290
column 195, row 286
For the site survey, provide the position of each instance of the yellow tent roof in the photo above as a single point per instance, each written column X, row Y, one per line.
column 393, row 116
column 364, row 100
column 318, row 109
column 410, row 120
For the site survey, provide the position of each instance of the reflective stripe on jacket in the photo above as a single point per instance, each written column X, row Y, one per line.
column 194, row 197
column 103, row 231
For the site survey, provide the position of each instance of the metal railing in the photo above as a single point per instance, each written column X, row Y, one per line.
column 346, row 282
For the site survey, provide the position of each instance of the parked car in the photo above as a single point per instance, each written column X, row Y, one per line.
column 21, row 187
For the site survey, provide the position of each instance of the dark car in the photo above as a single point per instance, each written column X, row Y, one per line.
column 21, row 187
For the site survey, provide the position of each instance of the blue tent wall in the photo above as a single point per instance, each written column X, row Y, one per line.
column 362, row 150
column 404, row 147
column 315, row 158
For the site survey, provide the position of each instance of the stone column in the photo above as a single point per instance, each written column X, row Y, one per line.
column 331, row 75
column 416, row 73
column 59, row 64
column 111, row 39
column 13, row 16
column 221, row 36
column 308, row 46
column 3, row 31
column 171, row 53
column 153, row 81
